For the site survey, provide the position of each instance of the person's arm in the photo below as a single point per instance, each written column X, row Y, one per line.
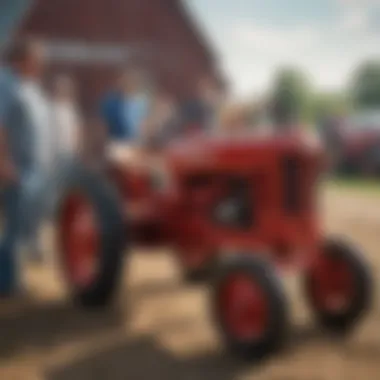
column 78, row 137
column 107, row 108
column 8, row 173
column 149, row 123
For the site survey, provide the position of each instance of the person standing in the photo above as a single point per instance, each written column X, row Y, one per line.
column 162, row 122
column 201, row 111
column 66, row 118
column 68, row 129
column 234, row 120
column 24, row 151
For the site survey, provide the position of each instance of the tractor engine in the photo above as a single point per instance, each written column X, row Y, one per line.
column 247, row 192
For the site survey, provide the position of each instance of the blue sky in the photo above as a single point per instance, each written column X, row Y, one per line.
column 325, row 38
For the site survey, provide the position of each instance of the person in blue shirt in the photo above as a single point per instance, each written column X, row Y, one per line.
column 24, row 152
column 125, row 109
column 200, row 111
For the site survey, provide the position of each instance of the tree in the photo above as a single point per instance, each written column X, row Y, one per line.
column 365, row 86
column 291, row 96
column 325, row 104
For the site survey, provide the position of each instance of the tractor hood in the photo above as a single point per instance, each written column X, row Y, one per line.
column 241, row 151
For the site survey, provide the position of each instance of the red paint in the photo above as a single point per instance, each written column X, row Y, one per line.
column 243, row 307
column 79, row 239
column 332, row 284
column 180, row 215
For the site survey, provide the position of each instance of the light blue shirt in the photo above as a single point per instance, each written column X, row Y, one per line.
column 15, row 121
column 135, row 111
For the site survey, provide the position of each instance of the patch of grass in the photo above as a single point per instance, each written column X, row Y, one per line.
column 355, row 184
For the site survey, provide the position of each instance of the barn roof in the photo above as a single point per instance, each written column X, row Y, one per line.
column 196, row 29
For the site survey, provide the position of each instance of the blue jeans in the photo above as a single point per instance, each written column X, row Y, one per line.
column 36, row 194
column 24, row 206
column 58, row 181
column 11, row 202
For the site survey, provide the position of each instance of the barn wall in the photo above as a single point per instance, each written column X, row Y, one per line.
column 155, row 30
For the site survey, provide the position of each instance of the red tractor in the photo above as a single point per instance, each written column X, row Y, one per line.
column 241, row 209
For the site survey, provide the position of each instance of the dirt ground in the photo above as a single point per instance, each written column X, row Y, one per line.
column 160, row 328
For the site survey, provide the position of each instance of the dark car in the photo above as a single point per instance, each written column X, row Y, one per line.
column 353, row 143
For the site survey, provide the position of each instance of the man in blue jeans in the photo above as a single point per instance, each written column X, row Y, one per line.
column 24, row 115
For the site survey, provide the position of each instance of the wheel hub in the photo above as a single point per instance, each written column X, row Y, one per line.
column 243, row 307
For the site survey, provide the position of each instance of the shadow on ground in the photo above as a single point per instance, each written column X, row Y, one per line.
column 144, row 360
column 45, row 325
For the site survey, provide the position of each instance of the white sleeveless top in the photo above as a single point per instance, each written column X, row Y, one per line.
column 38, row 111
column 66, row 124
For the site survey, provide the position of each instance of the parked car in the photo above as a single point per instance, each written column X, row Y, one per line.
column 353, row 143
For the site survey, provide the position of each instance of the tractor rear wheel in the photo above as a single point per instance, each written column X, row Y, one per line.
column 339, row 287
column 90, row 237
column 250, row 307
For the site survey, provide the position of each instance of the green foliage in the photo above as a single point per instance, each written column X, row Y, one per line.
column 365, row 86
column 354, row 185
column 327, row 104
column 291, row 96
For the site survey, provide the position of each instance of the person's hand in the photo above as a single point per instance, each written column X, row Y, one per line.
column 131, row 157
column 121, row 152
column 8, row 173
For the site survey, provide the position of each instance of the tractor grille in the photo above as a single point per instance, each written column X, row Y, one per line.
column 292, row 185
column 236, row 208
column 226, row 200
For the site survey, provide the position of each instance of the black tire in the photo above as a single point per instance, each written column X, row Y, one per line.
column 344, row 321
column 112, row 229
column 369, row 165
column 277, row 326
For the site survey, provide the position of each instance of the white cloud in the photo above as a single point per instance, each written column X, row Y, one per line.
column 358, row 2
column 327, row 54
column 354, row 19
column 252, row 51
column 271, row 40
column 356, row 15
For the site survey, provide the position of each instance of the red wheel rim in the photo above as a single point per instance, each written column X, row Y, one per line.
column 79, row 236
column 243, row 307
column 332, row 284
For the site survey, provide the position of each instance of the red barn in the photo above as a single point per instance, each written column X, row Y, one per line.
column 92, row 39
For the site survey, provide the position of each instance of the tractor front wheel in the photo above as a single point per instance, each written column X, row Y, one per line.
column 250, row 307
column 339, row 287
